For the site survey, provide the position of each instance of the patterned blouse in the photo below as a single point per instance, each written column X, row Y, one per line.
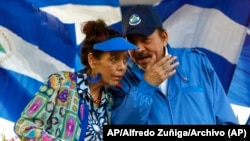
column 63, row 109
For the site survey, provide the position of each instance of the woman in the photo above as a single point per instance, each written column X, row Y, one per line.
column 76, row 105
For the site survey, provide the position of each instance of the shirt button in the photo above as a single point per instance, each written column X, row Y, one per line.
column 185, row 79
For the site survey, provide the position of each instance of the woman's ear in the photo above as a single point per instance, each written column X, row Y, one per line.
column 91, row 60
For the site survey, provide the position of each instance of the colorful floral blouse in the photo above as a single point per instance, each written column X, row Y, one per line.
column 62, row 109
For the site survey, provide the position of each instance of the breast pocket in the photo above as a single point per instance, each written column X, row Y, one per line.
column 197, row 103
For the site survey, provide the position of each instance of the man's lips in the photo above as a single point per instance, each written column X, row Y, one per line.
column 143, row 60
column 142, row 57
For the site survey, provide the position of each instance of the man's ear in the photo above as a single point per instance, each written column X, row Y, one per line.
column 164, row 36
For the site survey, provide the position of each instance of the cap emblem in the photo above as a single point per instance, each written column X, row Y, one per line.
column 134, row 19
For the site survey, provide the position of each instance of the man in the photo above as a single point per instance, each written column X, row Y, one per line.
column 165, row 85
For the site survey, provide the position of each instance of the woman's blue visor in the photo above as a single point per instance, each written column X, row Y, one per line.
column 115, row 44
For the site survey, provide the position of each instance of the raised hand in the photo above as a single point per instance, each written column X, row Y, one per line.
column 156, row 73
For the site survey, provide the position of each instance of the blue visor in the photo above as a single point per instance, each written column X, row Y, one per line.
column 115, row 44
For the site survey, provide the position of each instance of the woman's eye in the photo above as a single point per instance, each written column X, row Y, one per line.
column 113, row 59
column 127, row 59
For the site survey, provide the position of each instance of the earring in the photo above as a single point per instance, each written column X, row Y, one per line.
column 94, row 80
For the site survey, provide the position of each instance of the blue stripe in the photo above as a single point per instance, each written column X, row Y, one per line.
column 15, row 92
column 43, row 3
column 40, row 29
column 219, row 62
column 239, row 92
column 238, row 11
column 248, row 121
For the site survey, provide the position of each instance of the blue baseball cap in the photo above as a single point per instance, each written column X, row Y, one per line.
column 140, row 19
column 114, row 44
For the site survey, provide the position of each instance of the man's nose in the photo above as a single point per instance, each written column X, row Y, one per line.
column 140, row 46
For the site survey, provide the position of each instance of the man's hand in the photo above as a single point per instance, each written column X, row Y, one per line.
column 156, row 73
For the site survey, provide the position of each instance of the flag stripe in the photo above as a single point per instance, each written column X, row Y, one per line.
column 41, row 3
column 42, row 30
column 18, row 52
column 15, row 92
column 200, row 26
column 239, row 92
column 78, row 18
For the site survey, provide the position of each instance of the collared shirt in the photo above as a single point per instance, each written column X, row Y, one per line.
column 194, row 95
column 163, row 86
column 97, row 115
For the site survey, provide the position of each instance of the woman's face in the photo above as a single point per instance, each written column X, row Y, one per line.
column 112, row 67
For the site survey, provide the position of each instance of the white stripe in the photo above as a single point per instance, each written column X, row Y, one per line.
column 6, row 130
column 25, row 58
column 70, row 13
column 192, row 26
column 241, row 112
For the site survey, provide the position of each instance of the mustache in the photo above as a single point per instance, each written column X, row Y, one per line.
column 141, row 55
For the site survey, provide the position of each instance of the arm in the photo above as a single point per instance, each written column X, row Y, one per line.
column 34, row 118
column 223, row 111
column 132, row 101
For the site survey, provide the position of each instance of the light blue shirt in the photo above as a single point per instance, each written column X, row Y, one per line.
column 194, row 95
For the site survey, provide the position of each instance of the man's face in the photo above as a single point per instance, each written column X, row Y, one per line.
column 148, row 46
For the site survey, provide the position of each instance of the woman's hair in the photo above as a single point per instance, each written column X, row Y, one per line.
column 96, row 32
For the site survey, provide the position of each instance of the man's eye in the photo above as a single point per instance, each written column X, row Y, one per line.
column 145, row 39
column 132, row 41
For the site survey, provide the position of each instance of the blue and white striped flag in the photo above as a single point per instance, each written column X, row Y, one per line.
column 38, row 38
column 221, row 29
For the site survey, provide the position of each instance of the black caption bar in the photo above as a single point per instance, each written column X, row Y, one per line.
column 177, row 132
